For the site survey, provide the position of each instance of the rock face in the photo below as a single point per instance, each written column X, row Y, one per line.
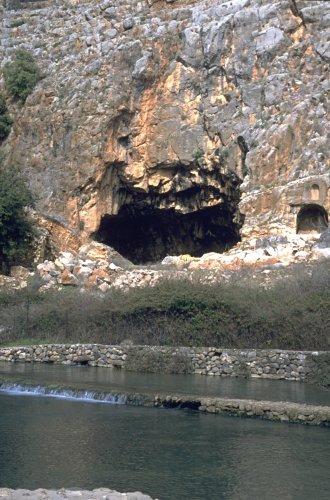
column 174, row 127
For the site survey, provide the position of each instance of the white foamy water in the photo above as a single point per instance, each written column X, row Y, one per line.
column 70, row 394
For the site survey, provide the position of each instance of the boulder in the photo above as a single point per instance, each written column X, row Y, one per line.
column 20, row 272
column 321, row 248
column 98, row 251
column 68, row 278
column 324, row 239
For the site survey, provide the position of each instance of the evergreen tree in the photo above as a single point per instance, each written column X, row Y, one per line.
column 5, row 121
column 16, row 229
column 21, row 75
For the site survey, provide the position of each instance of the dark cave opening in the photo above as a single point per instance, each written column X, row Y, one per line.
column 312, row 218
column 146, row 234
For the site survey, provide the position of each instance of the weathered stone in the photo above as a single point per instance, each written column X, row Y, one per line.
column 324, row 240
column 128, row 23
column 20, row 272
column 68, row 278
column 101, row 275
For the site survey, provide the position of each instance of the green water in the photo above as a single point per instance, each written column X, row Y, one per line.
column 169, row 454
column 104, row 379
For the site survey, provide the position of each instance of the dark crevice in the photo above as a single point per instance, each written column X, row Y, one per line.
column 186, row 405
column 83, row 362
column 190, row 405
column 244, row 150
column 296, row 12
column 125, row 142
column 325, row 59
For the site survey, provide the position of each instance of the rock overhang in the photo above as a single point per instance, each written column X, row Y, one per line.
column 195, row 215
column 178, row 78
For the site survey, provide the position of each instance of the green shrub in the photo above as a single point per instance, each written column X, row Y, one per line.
column 319, row 369
column 5, row 126
column 16, row 230
column 5, row 121
column 18, row 22
column 3, row 105
column 221, row 153
column 21, row 75
column 198, row 154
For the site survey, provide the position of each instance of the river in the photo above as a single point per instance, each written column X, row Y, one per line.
column 169, row 454
column 105, row 378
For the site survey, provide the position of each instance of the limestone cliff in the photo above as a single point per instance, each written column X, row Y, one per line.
column 174, row 127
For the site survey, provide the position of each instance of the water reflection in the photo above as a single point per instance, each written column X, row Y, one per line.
column 105, row 378
column 172, row 455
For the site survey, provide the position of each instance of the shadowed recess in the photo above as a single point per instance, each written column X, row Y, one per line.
column 312, row 218
column 145, row 234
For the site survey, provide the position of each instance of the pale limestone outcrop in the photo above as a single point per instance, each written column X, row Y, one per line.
column 173, row 128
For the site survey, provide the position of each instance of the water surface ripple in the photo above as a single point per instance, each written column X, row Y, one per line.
column 169, row 454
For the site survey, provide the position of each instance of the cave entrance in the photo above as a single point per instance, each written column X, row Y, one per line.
column 312, row 218
column 145, row 235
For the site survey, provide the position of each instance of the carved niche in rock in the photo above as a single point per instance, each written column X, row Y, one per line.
column 312, row 218
column 315, row 192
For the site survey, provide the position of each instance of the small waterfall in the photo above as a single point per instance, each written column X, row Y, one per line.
column 90, row 396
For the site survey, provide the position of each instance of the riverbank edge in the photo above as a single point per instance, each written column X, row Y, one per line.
column 311, row 366
column 277, row 411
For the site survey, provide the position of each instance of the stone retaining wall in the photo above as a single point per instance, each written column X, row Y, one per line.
column 97, row 494
column 275, row 364
column 268, row 410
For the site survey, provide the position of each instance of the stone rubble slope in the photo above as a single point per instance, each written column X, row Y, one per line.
column 97, row 267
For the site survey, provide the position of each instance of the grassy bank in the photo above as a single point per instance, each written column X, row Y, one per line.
column 293, row 314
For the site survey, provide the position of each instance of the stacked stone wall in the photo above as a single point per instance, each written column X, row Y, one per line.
column 258, row 363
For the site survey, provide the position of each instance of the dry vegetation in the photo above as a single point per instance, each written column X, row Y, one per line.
column 292, row 314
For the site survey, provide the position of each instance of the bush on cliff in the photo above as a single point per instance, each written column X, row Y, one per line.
column 21, row 75
column 16, row 230
column 5, row 121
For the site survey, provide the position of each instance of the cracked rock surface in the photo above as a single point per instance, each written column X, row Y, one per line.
column 179, row 107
